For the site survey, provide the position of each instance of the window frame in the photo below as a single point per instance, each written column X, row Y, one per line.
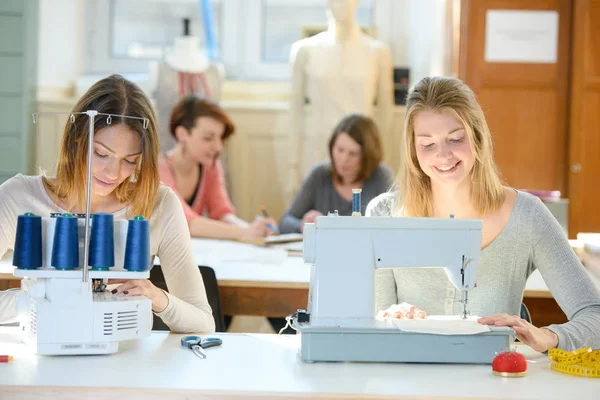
column 99, row 58
column 241, row 43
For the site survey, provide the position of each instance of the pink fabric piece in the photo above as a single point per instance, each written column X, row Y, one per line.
column 211, row 199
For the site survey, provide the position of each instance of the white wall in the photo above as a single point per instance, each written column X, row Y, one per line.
column 417, row 37
column 426, row 39
column 61, row 41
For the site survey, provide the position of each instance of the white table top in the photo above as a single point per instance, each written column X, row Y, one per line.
column 254, row 364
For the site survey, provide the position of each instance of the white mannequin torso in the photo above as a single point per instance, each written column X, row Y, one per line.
column 331, row 79
column 341, row 78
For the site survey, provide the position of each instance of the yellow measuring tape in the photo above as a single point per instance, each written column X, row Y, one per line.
column 582, row 362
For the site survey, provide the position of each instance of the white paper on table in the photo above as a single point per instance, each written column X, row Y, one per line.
column 284, row 238
column 442, row 325
column 213, row 251
column 292, row 246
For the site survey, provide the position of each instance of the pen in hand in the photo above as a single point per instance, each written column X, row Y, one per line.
column 265, row 214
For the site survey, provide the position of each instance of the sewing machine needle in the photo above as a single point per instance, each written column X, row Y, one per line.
column 464, row 298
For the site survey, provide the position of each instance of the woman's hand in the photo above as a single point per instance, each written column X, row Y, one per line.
column 539, row 339
column 142, row 287
column 309, row 217
column 260, row 228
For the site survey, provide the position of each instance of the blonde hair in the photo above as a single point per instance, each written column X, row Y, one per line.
column 117, row 96
column 443, row 94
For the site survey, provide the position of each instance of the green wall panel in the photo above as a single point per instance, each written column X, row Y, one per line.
column 11, row 34
column 11, row 154
column 11, row 78
column 12, row 6
column 11, row 108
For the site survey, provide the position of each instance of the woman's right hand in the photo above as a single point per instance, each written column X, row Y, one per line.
column 309, row 217
column 260, row 228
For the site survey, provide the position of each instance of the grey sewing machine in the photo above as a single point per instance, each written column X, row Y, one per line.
column 346, row 251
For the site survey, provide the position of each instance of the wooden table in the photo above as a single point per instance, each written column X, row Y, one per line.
column 255, row 366
column 266, row 282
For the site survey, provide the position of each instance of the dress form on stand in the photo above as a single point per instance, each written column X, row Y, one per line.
column 186, row 70
column 335, row 73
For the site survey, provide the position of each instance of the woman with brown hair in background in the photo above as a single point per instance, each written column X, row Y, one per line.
column 193, row 170
column 355, row 153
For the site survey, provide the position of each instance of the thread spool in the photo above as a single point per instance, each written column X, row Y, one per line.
column 65, row 248
column 356, row 202
column 137, row 247
column 28, row 242
column 102, row 242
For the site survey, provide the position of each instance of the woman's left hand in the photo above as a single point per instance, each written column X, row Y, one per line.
column 141, row 287
column 539, row 339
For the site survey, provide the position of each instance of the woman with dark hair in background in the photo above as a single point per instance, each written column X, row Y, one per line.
column 355, row 153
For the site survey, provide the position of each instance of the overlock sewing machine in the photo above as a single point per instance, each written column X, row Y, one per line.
column 63, row 307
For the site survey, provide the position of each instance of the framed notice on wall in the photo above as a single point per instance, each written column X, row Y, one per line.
column 516, row 36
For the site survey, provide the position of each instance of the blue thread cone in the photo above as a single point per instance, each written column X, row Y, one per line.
column 102, row 242
column 65, row 248
column 137, row 248
column 356, row 206
column 28, row 242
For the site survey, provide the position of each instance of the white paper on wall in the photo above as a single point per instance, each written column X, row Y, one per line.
column 516, row 36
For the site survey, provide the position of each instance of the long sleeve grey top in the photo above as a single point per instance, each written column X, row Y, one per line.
column 318, row 193
column 532, row 238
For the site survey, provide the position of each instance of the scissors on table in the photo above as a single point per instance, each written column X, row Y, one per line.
column 197, row 344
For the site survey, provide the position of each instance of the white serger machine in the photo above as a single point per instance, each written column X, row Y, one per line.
column 69, row 311
column 340, row 322
column 63, row 313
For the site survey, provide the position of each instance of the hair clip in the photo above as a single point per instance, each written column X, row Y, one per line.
column 146, row 123
column 72, row 118
column 109, row 119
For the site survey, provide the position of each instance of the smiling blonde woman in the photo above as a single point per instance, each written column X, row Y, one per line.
column 447, row 169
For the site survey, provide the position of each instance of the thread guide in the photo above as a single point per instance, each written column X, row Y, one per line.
column 92, row 272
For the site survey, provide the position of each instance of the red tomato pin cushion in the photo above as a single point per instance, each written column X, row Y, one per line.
column 509, row 364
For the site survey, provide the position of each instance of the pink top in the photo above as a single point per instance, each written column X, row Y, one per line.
column 211, row 199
